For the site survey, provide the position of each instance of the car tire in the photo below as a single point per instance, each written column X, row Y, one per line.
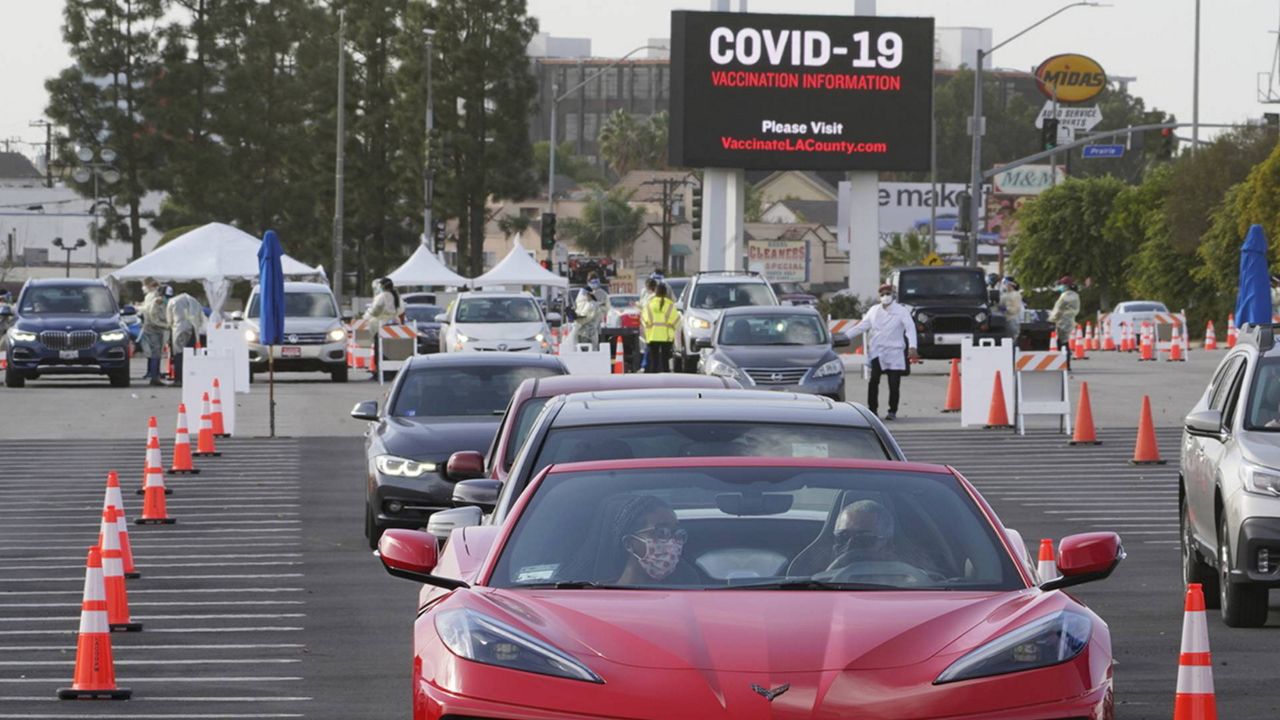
column 119, row 378
column 372, row 532
column 13, row 377
column 339, row 375
column 1243, row 604
column 1194, row 568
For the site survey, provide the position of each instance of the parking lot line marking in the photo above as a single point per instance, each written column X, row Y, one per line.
column 183, row 716
column 183, row 661
column 275, row 628
column 207, row 616
column 118, row 648
column 136, row 556
column 168, row 577
column 244, row 541
column 141, row 591
column 162, row 565
column 1173, row 531
column 131, row 681
column 183, row 603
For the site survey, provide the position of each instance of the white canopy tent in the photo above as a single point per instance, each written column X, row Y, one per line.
column 423, row 268
column 519, row 268
column 215, row 254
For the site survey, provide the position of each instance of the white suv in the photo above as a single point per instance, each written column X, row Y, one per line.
column 704, row 298
column 495, row 322
column 314, row 339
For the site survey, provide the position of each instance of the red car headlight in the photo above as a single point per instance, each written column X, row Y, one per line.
column 480, row 638
column 1050, row 640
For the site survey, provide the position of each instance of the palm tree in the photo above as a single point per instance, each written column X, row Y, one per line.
column 903, row 250
column 620, row 142
column 513, row 224
column 609, row 223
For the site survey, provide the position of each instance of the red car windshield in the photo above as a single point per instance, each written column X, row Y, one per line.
column 754, row 527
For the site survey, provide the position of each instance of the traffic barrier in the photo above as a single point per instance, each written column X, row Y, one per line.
column 1085, row 433
column 1047, row 564
column 154, row 509
column 116, row 502
column 113, row 575
column 1079, row 346
column 1148, row 345
column 1210, row 337
column 980, row 360
column 215, row 416
column 619, row 357
column 1233, row 333
column 1145, row 450
column 396, row 344
column 205, row 446
column 997, row 416
column 153, row 434
column 94, row 677
column 1040, row 379
column 1175, row 346
column 1194, row 698
column 182, row 464
column 953, row 401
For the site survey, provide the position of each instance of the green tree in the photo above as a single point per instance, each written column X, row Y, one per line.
column 1011, row 131
column 1121, row 110
column 609, row 223
column 903, row 250
column 512, row 225
column 103, row 99
column 1249, row 202
column 568, row 163
column 628, row 144
column 1063, row 231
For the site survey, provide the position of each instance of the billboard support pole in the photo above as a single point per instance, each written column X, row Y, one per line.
column 864, row 211
column 724, row 205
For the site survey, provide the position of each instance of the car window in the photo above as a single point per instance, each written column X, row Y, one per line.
column 1219, row 394
column 717, row 296
column 1231, row 403
column 300, row 305
column 422, row 313
column 460, row 391
column 523, row 424
column 799, row 329
column 623, row 302
column 497, row 310
column 1137, row 307
column 1263, row 407
column 67, row 300
column 941, row 284
column 734, row 527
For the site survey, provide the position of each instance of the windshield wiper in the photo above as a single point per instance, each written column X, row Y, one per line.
column 808, row 584
column 576, row 585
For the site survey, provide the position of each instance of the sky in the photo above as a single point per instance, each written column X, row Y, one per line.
column 1151, row 40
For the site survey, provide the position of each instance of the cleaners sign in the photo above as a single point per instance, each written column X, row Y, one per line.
column 800, row 92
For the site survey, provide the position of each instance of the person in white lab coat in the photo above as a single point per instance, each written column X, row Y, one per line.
column 893, row 340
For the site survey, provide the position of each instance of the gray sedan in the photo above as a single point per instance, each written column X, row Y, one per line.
column 775, row 348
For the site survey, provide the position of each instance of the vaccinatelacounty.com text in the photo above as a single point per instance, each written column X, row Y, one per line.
column 812, row 145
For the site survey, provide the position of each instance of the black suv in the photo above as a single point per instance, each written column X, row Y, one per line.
column 947, row 304
column 66, row 327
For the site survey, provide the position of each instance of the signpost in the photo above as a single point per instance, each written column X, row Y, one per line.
column 1102, row 151
column 1080, row 118
column 1026, row 180
column 779, row 260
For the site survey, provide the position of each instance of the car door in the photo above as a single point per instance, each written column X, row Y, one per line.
column 1210, row 450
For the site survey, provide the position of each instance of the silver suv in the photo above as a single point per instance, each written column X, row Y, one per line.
column 1229, row 482
column 704, row 298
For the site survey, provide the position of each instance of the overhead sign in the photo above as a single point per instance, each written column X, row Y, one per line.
column 779, row 260
column 1082, row 119
column 800, row 92
column 1025, row 180
column 1102, row 151
column 1070, row 78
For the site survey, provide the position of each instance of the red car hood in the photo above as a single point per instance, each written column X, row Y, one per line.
column 759, row 631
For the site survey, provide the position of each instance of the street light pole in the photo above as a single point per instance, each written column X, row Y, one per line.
column 428, row 171
column 338, row 163
column 978, row 123
column 1195, row 87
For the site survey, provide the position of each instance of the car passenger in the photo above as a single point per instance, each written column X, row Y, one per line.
column 635, row 540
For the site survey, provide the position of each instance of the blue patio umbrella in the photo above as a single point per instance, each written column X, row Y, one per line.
column 271, row 309
column 1253, row 303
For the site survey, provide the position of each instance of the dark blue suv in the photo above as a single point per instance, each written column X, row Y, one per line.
column 66, row 327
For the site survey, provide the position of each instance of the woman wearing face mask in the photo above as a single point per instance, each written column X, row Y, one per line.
column 1064, row 312
column 385, row 310
column 634, row 540
column 892, row 342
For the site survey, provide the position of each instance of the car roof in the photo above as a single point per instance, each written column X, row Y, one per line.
column 704, row 405
column 937, row 268
column 298, row 286
column 672, row 463
column 770, row 310
column 730, row 279
column 494, row 294
column 66, row 282
column 573, row 384
column 487, row 359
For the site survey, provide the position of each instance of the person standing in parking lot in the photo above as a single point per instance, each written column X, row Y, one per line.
column 185, row 317
column 386, row 309
column 893, row 340
column 590, row 307
column 1011, row 302
column 1064, row 312
column 659, row 319
column 154, row 329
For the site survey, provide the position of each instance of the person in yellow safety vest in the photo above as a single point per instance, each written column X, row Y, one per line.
column 659, row 320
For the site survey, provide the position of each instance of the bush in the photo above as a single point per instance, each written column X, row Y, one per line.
column 842, row 306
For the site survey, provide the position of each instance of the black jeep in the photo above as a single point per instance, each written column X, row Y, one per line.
column 948, row 303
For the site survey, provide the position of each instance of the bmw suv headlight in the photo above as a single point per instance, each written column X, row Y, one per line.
column 402, row 467
column 1048, row 641
column 480, row 638
column 1261, row 481
column 22, row 335
column 829, row 368
column 113, row 336
column 337, row 334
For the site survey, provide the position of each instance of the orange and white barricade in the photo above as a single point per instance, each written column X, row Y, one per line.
column 398, row 343
column 841, row 327
column 360, row 346
column 1041, row 388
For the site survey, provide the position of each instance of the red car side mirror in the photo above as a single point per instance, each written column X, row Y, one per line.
column 1086, row 557
column 465, row 465
column 412, row 555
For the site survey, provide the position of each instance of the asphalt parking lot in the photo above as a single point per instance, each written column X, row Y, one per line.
column 263, row 602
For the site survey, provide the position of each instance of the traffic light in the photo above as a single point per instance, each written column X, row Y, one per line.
column 964, row 206
column 548, row 231
column 1167, row 143
column 440, row 236
column 695, row 214
column 1049, row 134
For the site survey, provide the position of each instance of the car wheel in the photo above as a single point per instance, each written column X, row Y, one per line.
column 339, row 375
column 1243, row 604
column 372, row 532
column 119, row 378
column 13, row 377
column 1194, row 568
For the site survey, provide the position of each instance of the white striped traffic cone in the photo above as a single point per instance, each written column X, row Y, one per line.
column 1047, row 567
column 113, row 576
column 1195, row 699
column 116, row 503
column 95, row 672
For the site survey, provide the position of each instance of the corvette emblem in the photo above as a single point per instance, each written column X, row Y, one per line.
column 768, row 694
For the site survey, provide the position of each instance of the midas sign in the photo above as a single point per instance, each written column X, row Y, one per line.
column 1071, row 78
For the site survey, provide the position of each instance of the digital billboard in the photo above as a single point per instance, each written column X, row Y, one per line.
column 800, row 92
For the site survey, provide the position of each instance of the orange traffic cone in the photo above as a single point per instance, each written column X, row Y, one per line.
column 204, row 440
column 1053, row 339
column 619, row 357
column 1210, row 337
column 113, row 576
column 1175, row 345
column 95, row 673
column 182, row 446
column 1047, row 567
column 1126, row 338
column 1145, row 450
column 219, row 430
column 1094, row 344
column 998, row 415
column 1148, row 342
column 1233, row 333
column 1195, row 699
column 953, row 389
column 1108, row 339
column 1080, row 346
column 153, row 434
column 114, row 501
column 1084, row 434
column 154, row 510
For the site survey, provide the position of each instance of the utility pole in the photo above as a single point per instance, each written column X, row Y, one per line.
column 48, row 149
column 669, row 186
column 428, row 170
column 1195, row 86
column 337, row 278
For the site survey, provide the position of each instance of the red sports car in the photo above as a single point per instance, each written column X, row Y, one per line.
column 752, row 588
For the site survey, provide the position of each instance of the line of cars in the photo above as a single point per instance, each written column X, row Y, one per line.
column 679, row 546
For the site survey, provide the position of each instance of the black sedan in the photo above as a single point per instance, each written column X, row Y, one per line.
column 422, row 316
column 438, row 405
column 775, row 348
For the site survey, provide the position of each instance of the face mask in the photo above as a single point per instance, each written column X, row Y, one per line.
column 886, row 300
column 660, row 556
column 595, row 284
column 1061, row 288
